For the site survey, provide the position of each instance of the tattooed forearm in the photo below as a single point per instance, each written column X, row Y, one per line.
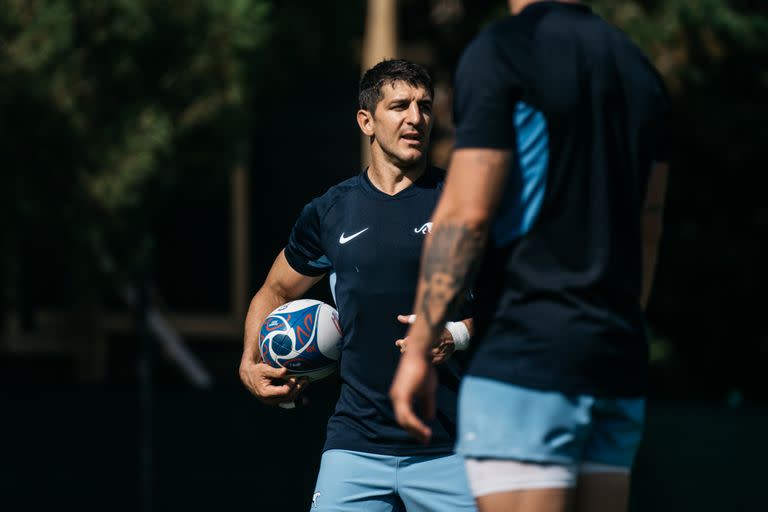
column 451, row 260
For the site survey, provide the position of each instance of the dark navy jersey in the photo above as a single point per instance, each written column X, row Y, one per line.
column 370, row 244
column 582, row 110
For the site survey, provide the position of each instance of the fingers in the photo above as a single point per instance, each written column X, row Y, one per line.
column 428, row 407
column 412, row 380
column 273, row 386
column 272, row 394
column 272, row 372
column 439, row 353
column 300, row 385
column 256, row 376
column 409, row 421
column 443, row 350
column 297, row 398
column 404, row 319
column 294, row 397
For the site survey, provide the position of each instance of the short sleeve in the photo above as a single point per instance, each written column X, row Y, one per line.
column 304, row 250
column 484, row 97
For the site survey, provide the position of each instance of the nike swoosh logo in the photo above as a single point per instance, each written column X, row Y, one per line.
column 344, row 239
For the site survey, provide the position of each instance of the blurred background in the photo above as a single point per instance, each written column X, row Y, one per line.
column 155, row 154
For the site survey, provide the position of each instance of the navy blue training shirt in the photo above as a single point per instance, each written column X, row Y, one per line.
column 581, row 109
column 371, row 243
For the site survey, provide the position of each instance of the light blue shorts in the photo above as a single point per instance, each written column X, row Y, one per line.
column 502, row 421
column 354, row 481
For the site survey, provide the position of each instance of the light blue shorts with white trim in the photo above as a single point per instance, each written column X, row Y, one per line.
column 498, row 420
column 351, row 481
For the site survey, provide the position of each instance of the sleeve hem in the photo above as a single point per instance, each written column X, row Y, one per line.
column 301, row 267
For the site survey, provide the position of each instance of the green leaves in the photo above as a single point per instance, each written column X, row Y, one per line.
column 688, row 38
column 129, row 163
column 106, row 94
column 38, row 33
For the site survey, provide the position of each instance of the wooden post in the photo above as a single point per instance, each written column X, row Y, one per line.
column 379, row 43
column 239, row 259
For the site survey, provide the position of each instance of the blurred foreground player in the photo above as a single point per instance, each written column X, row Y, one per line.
column 367, row 233
column 558, row 170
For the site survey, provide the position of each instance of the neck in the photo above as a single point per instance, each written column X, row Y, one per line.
column 515, row 6
column 391, row 178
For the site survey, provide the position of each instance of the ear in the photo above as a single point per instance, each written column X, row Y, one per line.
column 365, row 122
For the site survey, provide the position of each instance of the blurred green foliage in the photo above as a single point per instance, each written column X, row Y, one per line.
column 110, row 107
column 688, row 38
column 106, row 105
column 105, row 102
column 707, row 309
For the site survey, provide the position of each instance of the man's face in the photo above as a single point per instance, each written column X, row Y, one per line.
column 402, row 123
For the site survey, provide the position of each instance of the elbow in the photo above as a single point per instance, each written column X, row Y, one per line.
column 272, row 291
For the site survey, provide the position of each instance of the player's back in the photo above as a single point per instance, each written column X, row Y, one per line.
column 587, row 111
column 601, row 101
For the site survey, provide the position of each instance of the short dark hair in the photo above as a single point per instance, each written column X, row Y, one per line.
column 389, row 72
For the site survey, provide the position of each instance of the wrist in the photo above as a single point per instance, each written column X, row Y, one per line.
column 251, row 357
column 416, row 355
column 459, row 333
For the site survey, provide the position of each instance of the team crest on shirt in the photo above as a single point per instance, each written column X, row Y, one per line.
column 314, row 499
column 425, row 229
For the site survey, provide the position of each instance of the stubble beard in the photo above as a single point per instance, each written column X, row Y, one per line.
column 403, row 164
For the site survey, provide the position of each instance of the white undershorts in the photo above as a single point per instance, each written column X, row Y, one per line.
column 490, row 476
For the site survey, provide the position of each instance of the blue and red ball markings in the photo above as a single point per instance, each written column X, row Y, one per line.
column 303, row 324
column 271, row 324
column 266, row 356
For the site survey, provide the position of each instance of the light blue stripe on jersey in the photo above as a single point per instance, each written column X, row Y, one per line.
column 321, row 262
column 332, row 282
column 525, row 189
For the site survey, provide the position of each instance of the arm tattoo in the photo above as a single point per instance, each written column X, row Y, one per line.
column 451, row 260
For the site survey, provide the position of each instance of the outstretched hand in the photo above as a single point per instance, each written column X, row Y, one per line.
column 444, row 346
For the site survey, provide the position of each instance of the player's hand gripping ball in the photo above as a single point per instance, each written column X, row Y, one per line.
column 303, row 336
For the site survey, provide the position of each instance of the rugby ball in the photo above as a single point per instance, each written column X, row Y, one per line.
column 303, row 336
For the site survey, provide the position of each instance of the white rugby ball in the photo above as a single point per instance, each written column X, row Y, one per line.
column 303, row 336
